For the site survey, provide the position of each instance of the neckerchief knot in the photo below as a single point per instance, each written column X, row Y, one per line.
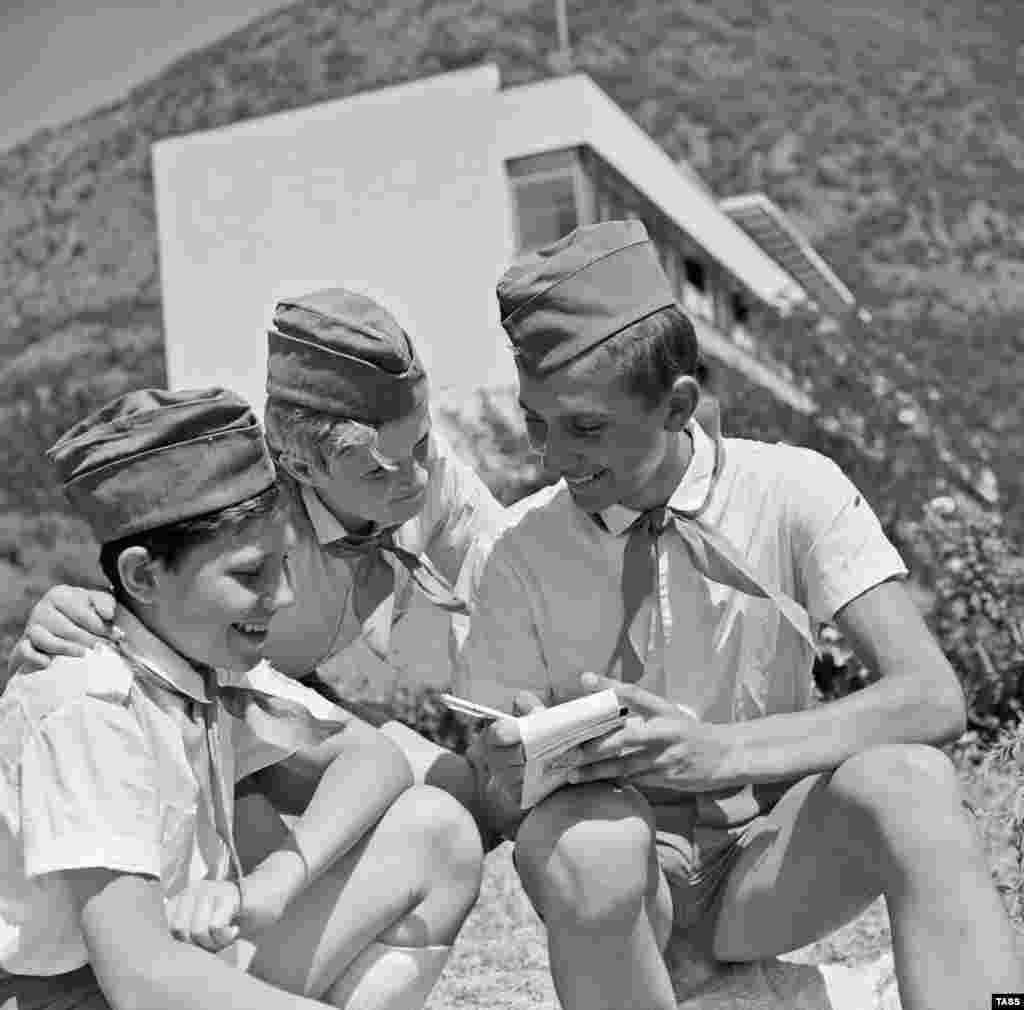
column 373, row 583
column 645, row 573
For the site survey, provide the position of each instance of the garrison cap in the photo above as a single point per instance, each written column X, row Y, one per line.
column 566, row 298
column 154, row 457
column 343, row 354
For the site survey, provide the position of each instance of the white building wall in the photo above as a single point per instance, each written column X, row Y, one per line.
column 569, row 111
column 400, row 193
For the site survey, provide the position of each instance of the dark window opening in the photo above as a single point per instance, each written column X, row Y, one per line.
column 548, row 196
column 545, row 209
column 695, row 276
column 740, row 309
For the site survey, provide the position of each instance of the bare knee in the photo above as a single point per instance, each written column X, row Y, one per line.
column 898, row 780
column 907, row 798
column 587, row 854
column 440, row 833
column 440, row 851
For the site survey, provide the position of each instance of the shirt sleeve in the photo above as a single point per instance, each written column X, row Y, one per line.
column 502, row 654
column 840, row 548
column 88, row 791
column 253, row 750
column 460, row 510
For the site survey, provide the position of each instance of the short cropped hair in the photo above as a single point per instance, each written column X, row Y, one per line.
column 651, row 354
column 312, row 436
column 172, row 542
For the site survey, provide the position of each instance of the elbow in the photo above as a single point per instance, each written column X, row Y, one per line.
column 386, row 757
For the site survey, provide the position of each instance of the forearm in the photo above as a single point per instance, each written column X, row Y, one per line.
column 179, row 976
column 354, row 792
column 896, row 709
column 139, row 964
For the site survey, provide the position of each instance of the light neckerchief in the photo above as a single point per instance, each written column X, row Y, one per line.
column 280, row 721
column 373, row 582
column 645, row 573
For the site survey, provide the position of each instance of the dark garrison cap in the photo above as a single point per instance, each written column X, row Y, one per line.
column 154, row 457
column 561, row 301
column 341, row 353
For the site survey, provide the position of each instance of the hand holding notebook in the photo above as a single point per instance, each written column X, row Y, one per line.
column 551, row 736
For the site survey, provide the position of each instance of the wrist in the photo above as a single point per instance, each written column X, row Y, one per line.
column 283, row 874
column 736, row 765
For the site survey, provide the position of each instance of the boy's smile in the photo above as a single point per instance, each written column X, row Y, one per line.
column 608, row 445
column 383, row 486
column 215, row 605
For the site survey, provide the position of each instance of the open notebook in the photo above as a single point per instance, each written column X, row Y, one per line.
column 551, row 736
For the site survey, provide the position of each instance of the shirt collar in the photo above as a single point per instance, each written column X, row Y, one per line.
column 691, row 492
column 141, row 645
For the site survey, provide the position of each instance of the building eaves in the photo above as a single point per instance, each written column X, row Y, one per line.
column 572, row 110
column 767, row 224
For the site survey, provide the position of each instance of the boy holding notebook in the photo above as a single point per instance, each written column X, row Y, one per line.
column 686, row 570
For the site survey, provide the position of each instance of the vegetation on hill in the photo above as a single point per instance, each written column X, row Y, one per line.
column 892, row 132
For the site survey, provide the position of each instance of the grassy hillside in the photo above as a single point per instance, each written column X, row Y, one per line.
column 891, row 131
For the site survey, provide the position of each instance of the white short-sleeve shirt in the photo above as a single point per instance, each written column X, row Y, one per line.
column 102, row 767
column 458, row 512
column 548, row 603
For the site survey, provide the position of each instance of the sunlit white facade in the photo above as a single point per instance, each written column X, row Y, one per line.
column 420, row 195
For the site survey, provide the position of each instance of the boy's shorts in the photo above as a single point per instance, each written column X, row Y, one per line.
column 697, row 858
column 75, row 990
column 698, row 842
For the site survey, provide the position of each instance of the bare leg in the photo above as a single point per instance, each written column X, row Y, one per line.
column 890, row 821
column 389, row 976
column 410, row 883
column 587, row 860
column 432, row 765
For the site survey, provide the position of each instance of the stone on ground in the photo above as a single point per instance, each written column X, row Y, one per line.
column 785, row 985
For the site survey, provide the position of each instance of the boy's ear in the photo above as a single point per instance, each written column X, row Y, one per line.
column 709, row 415
column 683, row 398
column 138, row 573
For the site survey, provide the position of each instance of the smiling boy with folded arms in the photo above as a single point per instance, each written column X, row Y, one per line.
column 384, row 512
column 121, row 875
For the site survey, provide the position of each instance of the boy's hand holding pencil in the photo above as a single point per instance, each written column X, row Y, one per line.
column 532, row 754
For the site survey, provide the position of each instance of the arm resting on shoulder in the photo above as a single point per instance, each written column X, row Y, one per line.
column 917, row 700
column 66, row 621
column 139, row 964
